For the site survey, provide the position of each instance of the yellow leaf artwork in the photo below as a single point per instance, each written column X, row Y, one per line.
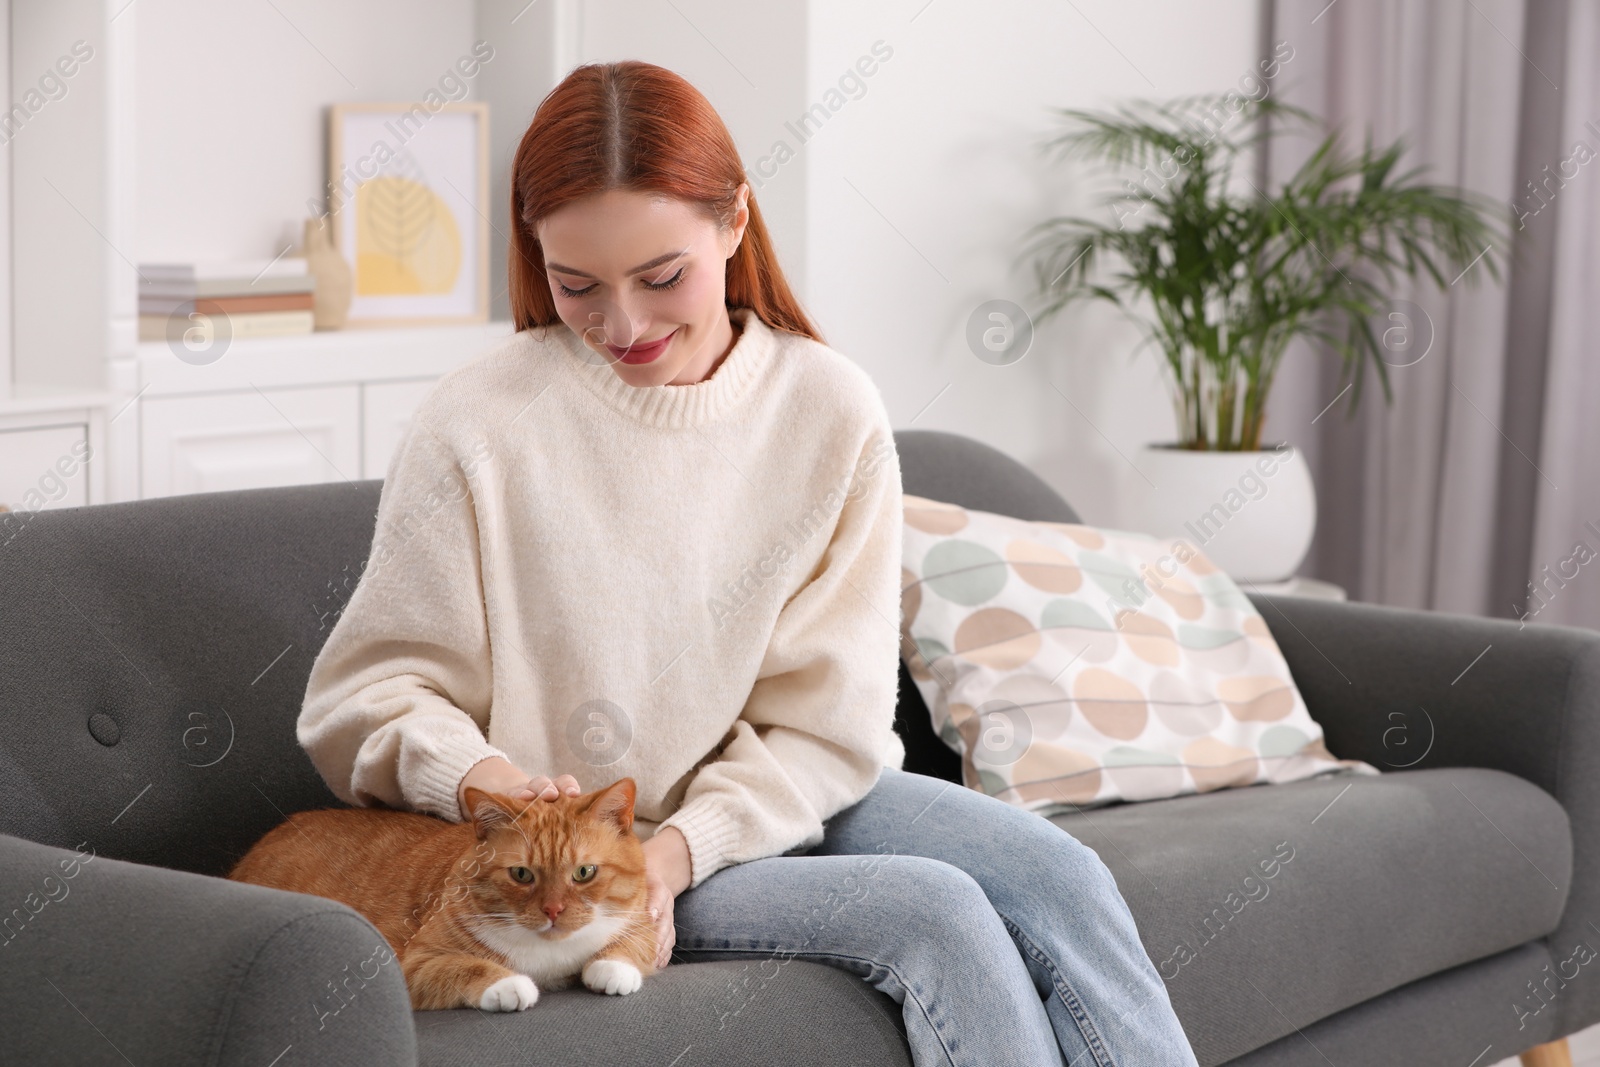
column 406, row 239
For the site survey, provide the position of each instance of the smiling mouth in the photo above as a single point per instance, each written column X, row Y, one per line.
column 641, row 353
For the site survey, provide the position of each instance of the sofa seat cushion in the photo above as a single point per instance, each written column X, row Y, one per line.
column 722, row 1013
column 1269, row 907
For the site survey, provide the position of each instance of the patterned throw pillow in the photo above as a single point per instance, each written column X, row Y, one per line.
column 1072, row 666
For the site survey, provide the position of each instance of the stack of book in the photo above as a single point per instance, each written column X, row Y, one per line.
column 258, row 298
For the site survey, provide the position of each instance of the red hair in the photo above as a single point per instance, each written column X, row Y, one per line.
column 634, row 125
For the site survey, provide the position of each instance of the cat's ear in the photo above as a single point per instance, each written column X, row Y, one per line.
column 613, row 804
column 487, row 811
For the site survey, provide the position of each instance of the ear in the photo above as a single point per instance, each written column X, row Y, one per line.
column 741, row 219
column 488, row 810
column 613, row 804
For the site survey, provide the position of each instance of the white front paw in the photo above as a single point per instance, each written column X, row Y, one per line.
column 512, row 993
column 612, row 976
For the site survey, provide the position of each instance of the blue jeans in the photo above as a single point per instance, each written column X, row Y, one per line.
column 1003, row 937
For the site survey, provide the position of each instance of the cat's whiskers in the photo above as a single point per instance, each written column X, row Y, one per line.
column 633, row 939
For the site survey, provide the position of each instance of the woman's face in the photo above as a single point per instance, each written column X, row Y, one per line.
column 641, row 278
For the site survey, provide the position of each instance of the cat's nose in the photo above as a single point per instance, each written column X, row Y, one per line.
column 553, row 909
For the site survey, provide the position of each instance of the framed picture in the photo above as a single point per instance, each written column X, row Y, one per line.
column 408, row 190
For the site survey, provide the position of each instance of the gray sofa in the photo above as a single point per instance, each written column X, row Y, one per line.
column 153, row 656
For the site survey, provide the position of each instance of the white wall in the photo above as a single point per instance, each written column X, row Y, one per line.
column 230, row 108
column 524, row 39
column 940, row 148
column 231, row 97
column 54, row 146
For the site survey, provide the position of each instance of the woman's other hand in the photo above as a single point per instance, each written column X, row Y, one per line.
column 667, row 873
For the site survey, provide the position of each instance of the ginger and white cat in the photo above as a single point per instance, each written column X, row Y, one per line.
column 485, row 913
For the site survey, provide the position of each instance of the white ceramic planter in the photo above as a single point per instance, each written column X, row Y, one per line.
column 1251, row 513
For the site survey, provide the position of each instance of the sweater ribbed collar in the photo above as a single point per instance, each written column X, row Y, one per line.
column 676, row 406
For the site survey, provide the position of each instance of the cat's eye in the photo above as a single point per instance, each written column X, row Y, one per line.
column 521, row 874
column 584, row 873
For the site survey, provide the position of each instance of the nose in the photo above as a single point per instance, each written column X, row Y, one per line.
column 553, row 908
column 611, row 323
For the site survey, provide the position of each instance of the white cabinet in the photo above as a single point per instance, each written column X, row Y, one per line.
column 250, row 440
column 319, row 407
column 45, row 467
column 386, row 409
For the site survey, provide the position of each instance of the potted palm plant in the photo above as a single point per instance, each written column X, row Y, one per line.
column 1223, row 280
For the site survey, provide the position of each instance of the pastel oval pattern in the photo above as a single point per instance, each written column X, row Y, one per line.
column 1216, row 765
column 933, row 516
column 1043, row 567
column 1281, row 741
column 1227, row 658
column 928, row 651
column 1184, row 598
column 997, row 638
column 1257, row 698
column 1081, row 630
column 1048, row 705
column 1219, row 589
column 1149, row 639
column 1255, row 628
column 1205, row 638
column 1140, row 774
column 1117, row 579
column 910, row 599
column 1084, row 536
column 1072, row 613
column 964, row 572
column 1183, row 707
column 1054, row 772
column 1084, row 646
column 1111, row 704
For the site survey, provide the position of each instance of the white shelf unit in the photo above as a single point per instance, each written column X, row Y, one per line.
column 50, row 452
column 279, row 411
column 74, row 378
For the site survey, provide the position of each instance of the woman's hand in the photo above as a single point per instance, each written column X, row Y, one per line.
column 498, row 775
column 667, row 871
column 540, row 787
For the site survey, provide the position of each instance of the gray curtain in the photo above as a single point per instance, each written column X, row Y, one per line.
column 1483, row 476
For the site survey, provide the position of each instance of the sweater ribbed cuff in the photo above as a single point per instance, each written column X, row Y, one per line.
column 451, row 755
column 709, row 832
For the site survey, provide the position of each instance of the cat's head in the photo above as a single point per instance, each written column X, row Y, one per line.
column 554, row 866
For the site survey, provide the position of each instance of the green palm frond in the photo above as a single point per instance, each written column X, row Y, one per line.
column 1223, row 282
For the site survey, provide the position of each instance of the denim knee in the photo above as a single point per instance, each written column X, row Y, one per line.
column 1041, row 845
column 941, row 902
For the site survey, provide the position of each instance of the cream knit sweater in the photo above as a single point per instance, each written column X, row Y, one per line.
column 694, row 586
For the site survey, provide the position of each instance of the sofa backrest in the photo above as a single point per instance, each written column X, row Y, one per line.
column 154, row 654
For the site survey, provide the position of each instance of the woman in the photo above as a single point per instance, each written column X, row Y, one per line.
column 657, row 535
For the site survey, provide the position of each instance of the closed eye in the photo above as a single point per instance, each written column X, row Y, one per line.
column 669, row 283
column 571, row 293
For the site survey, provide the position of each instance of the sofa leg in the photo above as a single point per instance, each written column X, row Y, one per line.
column 1554, row 1054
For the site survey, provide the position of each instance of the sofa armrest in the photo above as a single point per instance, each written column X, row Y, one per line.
column 1401, row 688
column 103, row 957
column 1388, row 685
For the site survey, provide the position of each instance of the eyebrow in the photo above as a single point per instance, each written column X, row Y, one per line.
column 641, row 268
